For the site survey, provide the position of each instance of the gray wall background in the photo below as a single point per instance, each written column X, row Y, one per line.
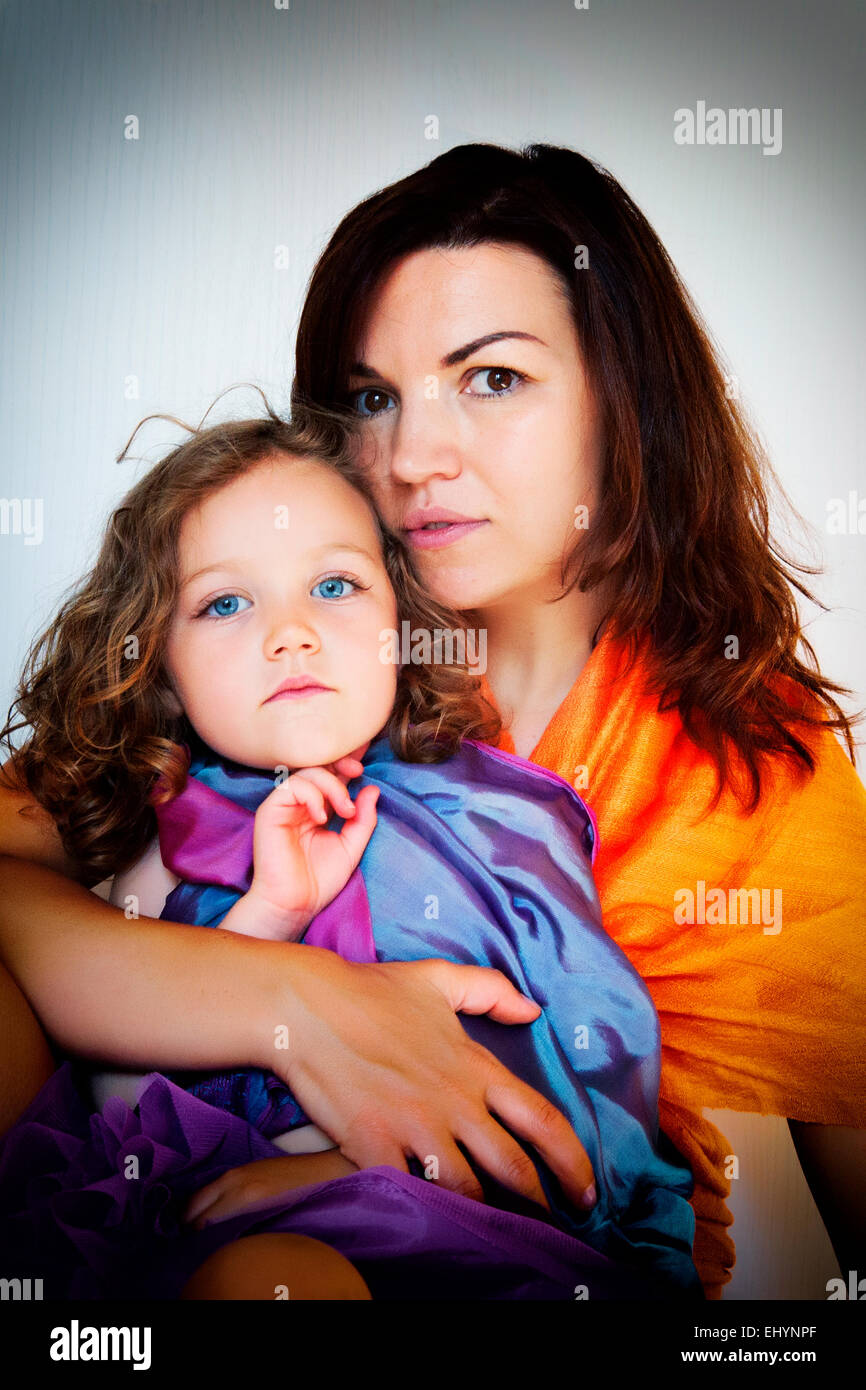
column 260, row 127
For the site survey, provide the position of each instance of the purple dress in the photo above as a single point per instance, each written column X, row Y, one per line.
column 483, row 859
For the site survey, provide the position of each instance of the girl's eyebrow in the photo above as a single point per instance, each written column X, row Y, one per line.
column 460, row 354
column 229, row 564
column 220, row 565
column 342, row 545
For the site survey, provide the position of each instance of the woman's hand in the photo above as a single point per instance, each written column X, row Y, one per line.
column 254, row 1183
column 298, row 866
column 379, row 1061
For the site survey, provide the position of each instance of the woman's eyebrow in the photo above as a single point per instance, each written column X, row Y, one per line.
column 459, row 354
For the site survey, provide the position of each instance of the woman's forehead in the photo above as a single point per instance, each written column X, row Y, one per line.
column 435, row 303
column 467, row 287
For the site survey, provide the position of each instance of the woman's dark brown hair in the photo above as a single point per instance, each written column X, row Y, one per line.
column 94, row 691
column 683, row 528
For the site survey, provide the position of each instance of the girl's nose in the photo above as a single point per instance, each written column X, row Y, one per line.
column 291, row 635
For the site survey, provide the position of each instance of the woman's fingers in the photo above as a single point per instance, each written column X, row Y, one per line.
column 548, row 1131
column 410, row 1079
column 442, row 1160
column 494, row 1150
column 377, row 1146
column 445, row 1164
column 479, row 989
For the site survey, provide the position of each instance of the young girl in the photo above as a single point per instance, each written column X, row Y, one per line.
column 215, row 680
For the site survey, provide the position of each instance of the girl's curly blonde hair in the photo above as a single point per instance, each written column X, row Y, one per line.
column 94, row 690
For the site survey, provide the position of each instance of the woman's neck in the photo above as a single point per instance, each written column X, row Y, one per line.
column 535, row 653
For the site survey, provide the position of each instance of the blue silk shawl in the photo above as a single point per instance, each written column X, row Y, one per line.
column 483, row 859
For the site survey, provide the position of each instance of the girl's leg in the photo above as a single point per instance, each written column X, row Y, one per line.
column 276, row 1265
column 26, row 1061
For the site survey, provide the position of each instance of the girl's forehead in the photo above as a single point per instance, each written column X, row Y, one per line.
column 305, row 477
column 304, row 499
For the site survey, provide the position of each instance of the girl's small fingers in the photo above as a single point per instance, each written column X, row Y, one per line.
column 347, row 767
column 354, row 756
column 355, row 834
column 203, row 1200
column 303, row 791
column 331, row 787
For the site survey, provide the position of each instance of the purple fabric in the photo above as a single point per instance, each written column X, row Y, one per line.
column 90, row 1232
column 345, row 925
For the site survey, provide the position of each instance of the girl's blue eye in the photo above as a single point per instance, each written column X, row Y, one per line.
column 500, row 381
column 223, row 606
column 335, row 586
column 371, row 401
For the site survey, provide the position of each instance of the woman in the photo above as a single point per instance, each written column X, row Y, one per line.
column 605, row 524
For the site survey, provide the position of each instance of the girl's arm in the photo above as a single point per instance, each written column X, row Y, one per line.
column 376, row 1056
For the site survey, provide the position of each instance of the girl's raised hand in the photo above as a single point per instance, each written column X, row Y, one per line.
column 298, row 865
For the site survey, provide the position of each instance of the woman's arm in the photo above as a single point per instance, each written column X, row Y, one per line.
column 375, row 1054
column 833, row 1158
column 28, row 831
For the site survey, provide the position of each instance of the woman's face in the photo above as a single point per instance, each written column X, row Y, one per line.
column 282, row 576
column 476, row 412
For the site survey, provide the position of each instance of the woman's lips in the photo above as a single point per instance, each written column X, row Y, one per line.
column 441, row 534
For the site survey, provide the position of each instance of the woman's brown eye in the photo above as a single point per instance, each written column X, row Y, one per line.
column 488, row 382
column 371, row 402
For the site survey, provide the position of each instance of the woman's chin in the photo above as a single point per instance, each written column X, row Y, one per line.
column 459, row 590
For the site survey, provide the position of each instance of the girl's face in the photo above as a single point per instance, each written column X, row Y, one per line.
column 476, row 410
column 282, row 576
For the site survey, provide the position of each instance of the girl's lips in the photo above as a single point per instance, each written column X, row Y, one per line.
column 440, row 535
column 301, row 694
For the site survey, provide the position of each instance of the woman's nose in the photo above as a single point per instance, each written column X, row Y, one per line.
column 424, row 442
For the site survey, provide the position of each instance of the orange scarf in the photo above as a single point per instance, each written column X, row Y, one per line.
column 761, row 995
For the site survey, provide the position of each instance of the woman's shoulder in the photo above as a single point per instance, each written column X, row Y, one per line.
column 815, row 820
